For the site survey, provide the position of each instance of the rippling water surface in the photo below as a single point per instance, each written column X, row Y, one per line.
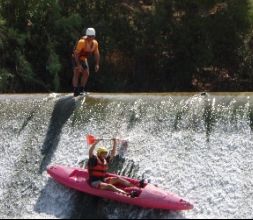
column 198, row 146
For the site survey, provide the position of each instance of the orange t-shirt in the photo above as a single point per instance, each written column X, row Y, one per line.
column 84, row 48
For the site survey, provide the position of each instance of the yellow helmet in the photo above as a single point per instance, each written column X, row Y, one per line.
column 101, row 150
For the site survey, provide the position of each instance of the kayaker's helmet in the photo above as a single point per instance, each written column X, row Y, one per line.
column 90, row 32
column 101, row 150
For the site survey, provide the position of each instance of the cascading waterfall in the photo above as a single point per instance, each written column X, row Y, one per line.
column 198, row 146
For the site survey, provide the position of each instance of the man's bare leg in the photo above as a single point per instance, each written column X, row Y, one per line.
column 75, row 81
column 110, row 187
column 84, row 79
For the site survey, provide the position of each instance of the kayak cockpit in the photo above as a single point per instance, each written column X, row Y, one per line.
column 78, row 176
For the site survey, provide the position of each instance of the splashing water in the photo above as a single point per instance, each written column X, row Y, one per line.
column 197, row 146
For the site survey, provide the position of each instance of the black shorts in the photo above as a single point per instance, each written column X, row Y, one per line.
column 95, row 182
column 84, row 64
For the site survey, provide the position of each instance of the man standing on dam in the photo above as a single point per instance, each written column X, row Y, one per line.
column 84, row 48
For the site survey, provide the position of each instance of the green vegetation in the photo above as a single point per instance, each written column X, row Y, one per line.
column 148, row 45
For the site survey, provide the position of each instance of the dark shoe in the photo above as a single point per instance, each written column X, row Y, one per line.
column 76, row 92
column 133, row 194
column 142, row 183
column 81, row 90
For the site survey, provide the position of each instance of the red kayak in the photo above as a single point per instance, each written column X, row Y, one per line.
column 147, row 197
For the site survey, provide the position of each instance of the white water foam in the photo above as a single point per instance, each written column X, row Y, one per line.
column 209, row 163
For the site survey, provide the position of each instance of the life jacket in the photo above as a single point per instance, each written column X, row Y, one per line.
column 99, row 170
column 83, row 54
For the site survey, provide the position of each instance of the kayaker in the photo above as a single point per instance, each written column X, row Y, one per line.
column 98, row 166
column 86, row 46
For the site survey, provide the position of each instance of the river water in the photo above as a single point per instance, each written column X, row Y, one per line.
column 198, row 146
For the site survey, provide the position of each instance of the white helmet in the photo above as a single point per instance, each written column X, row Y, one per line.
column 90, row 32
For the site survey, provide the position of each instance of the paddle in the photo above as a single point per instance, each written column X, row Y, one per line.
column 91, row 139
column 122, row 148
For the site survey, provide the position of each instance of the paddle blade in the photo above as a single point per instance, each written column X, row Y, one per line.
column 90, row 139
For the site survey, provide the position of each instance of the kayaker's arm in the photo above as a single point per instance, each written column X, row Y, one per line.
column 76, row 57
column 113, row 152
column 92, row 148
column 97, row 58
